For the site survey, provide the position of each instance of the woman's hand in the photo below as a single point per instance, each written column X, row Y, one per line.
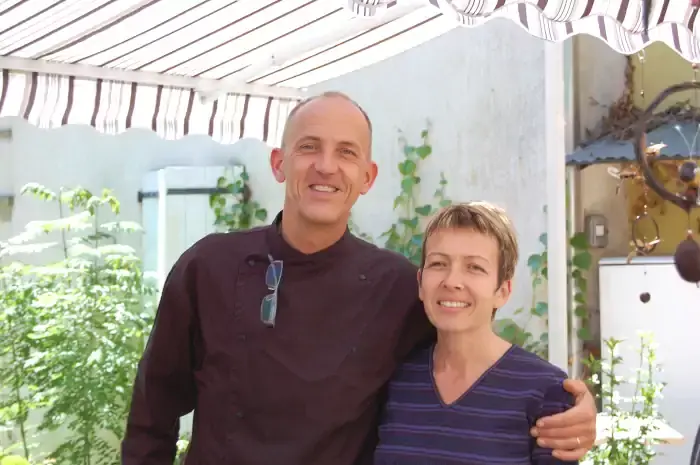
column 572, row 433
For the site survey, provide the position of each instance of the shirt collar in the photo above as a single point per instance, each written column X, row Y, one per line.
column 281, row 250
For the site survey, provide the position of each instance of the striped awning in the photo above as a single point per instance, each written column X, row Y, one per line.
column 49, row 101
column 232, row 68
column 619, row 23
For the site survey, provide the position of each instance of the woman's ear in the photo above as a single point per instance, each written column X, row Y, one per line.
column 419, row 279
column 503, row 293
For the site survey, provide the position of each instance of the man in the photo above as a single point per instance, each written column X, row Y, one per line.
column 281, row 338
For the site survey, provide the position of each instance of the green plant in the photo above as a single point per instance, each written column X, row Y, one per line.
column 233, row 205
column 14, row 460
column 579, row 266
column 16, row 324
column 406, row 235
column 521, row 334
column 182, row 445
column 632, row 419
column 354, row 229
column 78, row 325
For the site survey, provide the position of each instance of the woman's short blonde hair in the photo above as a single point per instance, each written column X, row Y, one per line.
column 484, row 218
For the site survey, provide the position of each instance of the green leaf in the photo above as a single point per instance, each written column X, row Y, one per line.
column 417, row 240
column 584, row 334
column 582, row 260
column 424, row 210
column 407, row 185
column 582, row 285
column 411, row 223
column 580, row 298
column 407, row 168
column 510, row 332
column 543, row 239
column 579, row 241
column 424, row 151
column 540, row 309
column 534, row 262
column 261, row 214
column 408, row 150
column 580, row 311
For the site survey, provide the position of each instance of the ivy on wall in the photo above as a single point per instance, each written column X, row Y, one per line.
column 233, row 204
column 405, row 236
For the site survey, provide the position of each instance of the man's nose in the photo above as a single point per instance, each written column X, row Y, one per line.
column 326, row 162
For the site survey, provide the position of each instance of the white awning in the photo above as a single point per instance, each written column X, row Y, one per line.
column 232, row 68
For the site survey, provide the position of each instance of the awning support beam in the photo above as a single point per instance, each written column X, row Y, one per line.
column 352, row 28
column 557, row 240
column 203, row 85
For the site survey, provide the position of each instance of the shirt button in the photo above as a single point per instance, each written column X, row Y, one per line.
column 241, row 337
column 251, row 262
column 354, row 349
column 239, row 414
column 362, row 277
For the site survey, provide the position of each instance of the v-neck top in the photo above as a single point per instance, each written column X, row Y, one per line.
column 488, row 425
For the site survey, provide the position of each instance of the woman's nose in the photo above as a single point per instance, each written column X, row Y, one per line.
column 454, row 280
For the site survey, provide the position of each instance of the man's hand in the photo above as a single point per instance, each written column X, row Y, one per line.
column 572, row 433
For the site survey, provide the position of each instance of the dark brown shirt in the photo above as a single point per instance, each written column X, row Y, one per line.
column 305, row 392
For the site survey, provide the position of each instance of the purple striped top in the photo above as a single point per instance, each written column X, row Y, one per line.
column 489, row 425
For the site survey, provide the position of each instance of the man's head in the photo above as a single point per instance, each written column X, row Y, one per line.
column 325, row 159
column 469, row 256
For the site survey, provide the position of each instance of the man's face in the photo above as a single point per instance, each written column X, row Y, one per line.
column 325, row 160
column 459, row 282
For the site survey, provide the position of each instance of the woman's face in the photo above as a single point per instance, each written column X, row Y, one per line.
column 459, row 281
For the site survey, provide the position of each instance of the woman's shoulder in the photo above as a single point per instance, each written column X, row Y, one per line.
column 531, row 366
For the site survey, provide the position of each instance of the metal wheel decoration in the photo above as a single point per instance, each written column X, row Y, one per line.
column 643, row 247
column 687, row 256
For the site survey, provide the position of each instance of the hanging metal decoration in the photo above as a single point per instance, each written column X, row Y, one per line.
column 687, row 256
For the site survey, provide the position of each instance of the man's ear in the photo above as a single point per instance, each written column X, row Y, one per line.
column 370, row 177
column 277, row 164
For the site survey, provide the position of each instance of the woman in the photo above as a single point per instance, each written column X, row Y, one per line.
column 472, row 398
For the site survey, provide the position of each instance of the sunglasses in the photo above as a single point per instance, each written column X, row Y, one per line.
column 268, row 307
